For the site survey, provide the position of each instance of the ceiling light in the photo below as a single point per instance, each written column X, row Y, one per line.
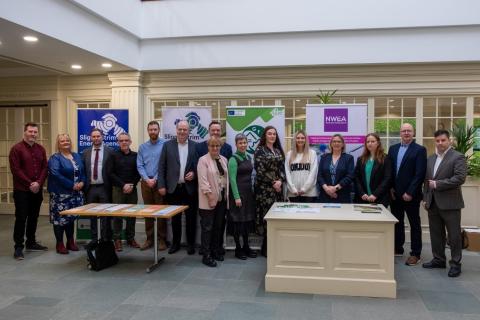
column 30, row 39
column 76, row 66
column 106, row 65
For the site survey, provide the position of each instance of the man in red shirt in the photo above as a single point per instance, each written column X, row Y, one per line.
column 28, row 163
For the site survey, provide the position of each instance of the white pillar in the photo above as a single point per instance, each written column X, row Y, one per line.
column 127, row 93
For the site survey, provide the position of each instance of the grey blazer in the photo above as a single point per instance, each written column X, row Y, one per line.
column 449, row 178
column 86, row 158
column 169, row 167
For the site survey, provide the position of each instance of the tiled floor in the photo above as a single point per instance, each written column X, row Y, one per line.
column 49, row 286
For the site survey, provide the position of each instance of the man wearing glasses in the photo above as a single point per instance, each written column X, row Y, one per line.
column 409, row 165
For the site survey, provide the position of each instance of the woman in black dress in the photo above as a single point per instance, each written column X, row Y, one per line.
column 241, row 216
column 270, row 169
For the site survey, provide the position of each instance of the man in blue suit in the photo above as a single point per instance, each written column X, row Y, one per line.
column 409, row 161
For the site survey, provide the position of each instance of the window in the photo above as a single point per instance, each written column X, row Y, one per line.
column 389, row 115
column 12, row 120
column 441, row 113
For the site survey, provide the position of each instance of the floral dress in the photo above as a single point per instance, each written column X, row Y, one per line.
column 60, row 202
column 269, row 166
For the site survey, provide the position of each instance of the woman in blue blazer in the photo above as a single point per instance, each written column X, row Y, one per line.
column 66, row 177
column 335, row 173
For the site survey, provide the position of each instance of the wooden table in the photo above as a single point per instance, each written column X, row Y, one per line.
column 129, row 211
column 330, row 249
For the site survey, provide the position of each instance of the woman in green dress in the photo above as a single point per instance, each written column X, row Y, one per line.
column 241, row 216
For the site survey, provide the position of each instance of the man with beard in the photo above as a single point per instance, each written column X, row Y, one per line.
column 147, row 166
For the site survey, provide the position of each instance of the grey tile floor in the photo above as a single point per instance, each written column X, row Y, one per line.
column 49, row 286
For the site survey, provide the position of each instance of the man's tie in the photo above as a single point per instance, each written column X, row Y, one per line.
column 95, row 165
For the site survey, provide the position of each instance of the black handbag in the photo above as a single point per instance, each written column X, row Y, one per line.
column 101, row 255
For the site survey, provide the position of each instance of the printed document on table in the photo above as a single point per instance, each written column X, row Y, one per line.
column 101, row 207
column 118, row 207
column 166, row 210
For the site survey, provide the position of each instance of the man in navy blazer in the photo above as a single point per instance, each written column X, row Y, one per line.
column 409, row 161
column 177, row 180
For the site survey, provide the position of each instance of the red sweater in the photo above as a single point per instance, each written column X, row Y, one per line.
column 28, row 164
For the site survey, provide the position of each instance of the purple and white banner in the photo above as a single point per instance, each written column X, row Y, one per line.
column 325, row 120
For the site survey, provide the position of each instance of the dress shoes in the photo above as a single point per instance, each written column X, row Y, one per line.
column 434, row 264
column 118, row 245
column 61, row 248
column 250, row 253
column 146, row 245
column 240, row 254
column 162, row 245
column 209, row 261
column 174, row 248
column 219, row 257
column 191, row 250
column 71, row 245
column 454, row 271
column 133, row 244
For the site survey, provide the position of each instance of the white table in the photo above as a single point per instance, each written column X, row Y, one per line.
column 334, row 251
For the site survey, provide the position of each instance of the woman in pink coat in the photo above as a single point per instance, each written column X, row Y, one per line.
column 212, row 200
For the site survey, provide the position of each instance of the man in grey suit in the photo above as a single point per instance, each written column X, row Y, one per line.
column 98, row 188
column 446, row 172
column 177, row 181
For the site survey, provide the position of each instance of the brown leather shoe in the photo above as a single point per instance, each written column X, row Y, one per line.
column 413, row 261
column 118, row 245
column 133, row 244
column 146, row 245
column 162, row 245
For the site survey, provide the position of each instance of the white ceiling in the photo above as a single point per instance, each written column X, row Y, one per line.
column 48, row 56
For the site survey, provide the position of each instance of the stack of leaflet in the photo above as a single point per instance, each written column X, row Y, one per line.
column 367, row 208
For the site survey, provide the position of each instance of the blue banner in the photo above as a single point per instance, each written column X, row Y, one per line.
column 111, row 122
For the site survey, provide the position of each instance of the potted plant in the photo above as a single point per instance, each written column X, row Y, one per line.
column 325, row 97
column 464, row 140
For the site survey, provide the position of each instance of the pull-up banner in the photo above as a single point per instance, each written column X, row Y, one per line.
column 325, row 120
column 251, row 121
column 111, row 122
column 198, row 119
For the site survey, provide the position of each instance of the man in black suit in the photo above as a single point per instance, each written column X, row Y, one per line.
column 409, row 162
column 98, row 188
column 446, row 172
column 177, row 181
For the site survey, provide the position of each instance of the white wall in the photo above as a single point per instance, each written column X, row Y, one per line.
column 192, row 18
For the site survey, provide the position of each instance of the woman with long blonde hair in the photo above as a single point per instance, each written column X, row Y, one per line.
column 373, row 173
column 301, row 167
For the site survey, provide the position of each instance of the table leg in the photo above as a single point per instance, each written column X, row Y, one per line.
column 155, row 248
column 99, row 229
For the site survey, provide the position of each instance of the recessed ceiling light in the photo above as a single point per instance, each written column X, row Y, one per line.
column 106, row 65
column 30, row 39
column 76, row 66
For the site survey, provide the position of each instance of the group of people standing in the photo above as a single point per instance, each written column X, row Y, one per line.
column 232, row 190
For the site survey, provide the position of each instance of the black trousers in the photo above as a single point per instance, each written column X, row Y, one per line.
column 98, row 194
column 181, row 197
column 412, row 209
column 439, row 220
column 27, row 209
column 211, row 223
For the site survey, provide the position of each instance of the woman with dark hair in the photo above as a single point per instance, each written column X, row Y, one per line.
column 269, row 166
column 241, row 216
column 301, row 167
column 373, row 173
column 66, row 177
column 336, row 173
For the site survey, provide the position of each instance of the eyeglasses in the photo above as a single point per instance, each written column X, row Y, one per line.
column 406, row 131
column 214, row 146
column 123, row 140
